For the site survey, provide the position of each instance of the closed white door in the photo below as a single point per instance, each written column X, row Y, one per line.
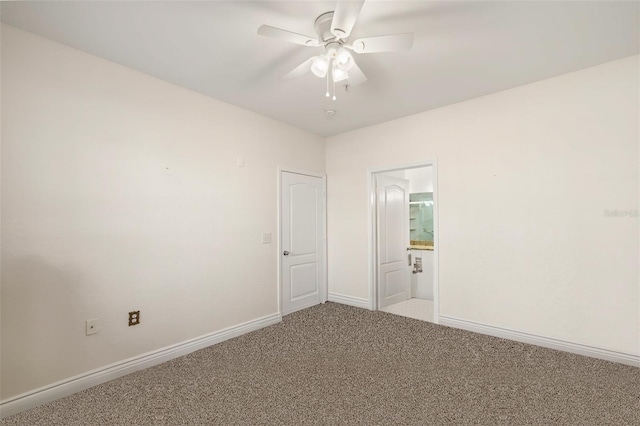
column 302, row 241
column 394, row 269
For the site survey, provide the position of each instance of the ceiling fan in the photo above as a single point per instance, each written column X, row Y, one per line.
column 333, row 30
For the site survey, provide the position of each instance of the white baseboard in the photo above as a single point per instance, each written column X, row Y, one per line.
column 518, row 336
column 101, row 375
column 349, row 300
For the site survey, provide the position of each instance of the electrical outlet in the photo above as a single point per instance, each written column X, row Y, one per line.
column 134, row 318
column 92, row 326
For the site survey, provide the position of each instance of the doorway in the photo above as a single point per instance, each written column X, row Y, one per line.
column 403, row 246
column 302, row 241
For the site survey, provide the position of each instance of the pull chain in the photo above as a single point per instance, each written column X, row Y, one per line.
column 327, row 94
column 334, row 89
column 333, row 68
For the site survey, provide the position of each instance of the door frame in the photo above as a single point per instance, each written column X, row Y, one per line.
column 373, row 237
column 323, row 287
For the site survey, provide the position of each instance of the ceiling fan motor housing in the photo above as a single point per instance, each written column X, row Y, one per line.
column 332, row 48
column 323, row 27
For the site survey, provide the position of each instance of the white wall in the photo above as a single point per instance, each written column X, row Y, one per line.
column 121, row 192
column 524, row 179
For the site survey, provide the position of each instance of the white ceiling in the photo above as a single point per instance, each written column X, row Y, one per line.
column 461, row 50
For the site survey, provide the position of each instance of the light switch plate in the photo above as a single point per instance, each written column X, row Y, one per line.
column 266, row 238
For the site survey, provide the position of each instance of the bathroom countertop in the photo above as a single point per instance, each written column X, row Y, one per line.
column 421, row 247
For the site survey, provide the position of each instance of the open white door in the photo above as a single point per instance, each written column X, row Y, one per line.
column 302, row 241
column 394, row 264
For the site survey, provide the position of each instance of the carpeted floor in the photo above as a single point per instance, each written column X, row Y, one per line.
column 335, row 364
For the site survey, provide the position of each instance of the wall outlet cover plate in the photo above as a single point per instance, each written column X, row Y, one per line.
column 134, row 318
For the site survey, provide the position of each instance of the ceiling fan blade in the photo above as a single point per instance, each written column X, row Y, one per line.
column 345, row 17
column 273, row 32
column 356, row 76
column 388, row 43
column 300, row 70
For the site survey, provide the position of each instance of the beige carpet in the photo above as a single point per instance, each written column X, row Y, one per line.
column 334, row 364
column 420, row 309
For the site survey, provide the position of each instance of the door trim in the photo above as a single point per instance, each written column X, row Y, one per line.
column 323, row 290
column 372, row 232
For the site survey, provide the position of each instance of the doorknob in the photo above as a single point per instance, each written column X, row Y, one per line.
column 286, row 253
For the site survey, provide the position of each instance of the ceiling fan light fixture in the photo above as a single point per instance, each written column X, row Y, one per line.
column 320, row 66
column 339, row 75
column 344, row 60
